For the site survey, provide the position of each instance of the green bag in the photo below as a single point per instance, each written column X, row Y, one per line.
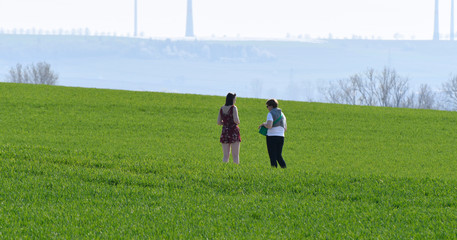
column 263, row 130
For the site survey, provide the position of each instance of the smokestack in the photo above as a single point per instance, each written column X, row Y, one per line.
column 135, row 20
column 452, row 20
column 436, row 32
column 189, row 23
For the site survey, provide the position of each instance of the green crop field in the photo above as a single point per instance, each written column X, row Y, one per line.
column 81, row 163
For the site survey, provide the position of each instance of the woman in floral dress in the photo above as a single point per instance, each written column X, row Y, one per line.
column 230, row 136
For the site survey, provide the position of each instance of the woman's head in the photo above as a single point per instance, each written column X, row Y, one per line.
column 272, row 103
column 230, row 99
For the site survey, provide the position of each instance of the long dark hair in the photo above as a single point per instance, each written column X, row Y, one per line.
column 229, row 99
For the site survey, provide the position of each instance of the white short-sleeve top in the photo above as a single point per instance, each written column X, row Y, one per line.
column 276, row 131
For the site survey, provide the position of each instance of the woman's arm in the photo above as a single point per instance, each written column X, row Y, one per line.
column 269, row 123
column 219, row 119
column 236, row 119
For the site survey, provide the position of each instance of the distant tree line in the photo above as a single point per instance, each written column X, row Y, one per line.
column 60, row 31
column 39, row 73
column 387, row 88
column 210, row 51
column 150, row 48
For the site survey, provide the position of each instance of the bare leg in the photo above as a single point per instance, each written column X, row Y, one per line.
column 226, row 150
column 236, row 152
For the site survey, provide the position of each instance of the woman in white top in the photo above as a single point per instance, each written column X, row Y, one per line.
column 275, row 134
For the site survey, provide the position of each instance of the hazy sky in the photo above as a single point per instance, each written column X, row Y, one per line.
column 232, row 18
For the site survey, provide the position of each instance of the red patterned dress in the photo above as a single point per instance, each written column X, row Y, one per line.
column 230, row 131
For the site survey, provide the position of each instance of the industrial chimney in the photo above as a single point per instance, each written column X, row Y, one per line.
column 135, row 20
column 189, row 22
column 452, row 20
column 436, row 32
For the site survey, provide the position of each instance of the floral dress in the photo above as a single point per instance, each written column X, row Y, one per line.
column 230, row 131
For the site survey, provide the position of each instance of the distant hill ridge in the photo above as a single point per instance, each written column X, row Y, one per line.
column 215, row 67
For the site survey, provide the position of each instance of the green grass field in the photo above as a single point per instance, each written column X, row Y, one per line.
column 81, row 163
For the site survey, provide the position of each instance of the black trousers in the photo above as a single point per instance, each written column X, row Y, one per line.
column 274, row 146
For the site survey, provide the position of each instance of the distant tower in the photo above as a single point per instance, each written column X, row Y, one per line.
column 135, row 20
column 436, row 32
column 190, row 22
column 452, row 20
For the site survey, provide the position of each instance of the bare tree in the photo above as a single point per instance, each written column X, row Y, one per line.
column 40, row 73
column 367, row 88
column 425, row 97
column 410, row 101
column 385, row 88
column 349, row 90
column 16, row 74
column 385, row 84
column 450, row 90
column 333, row 94
column 391, row 88
column 399, row 91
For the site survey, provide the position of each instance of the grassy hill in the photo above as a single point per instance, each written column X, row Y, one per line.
column 93, row 163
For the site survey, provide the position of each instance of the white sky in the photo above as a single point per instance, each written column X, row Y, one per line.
column 413, row 19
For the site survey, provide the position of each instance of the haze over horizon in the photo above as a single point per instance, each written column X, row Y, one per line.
column 375, row 19
column 253, row 68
